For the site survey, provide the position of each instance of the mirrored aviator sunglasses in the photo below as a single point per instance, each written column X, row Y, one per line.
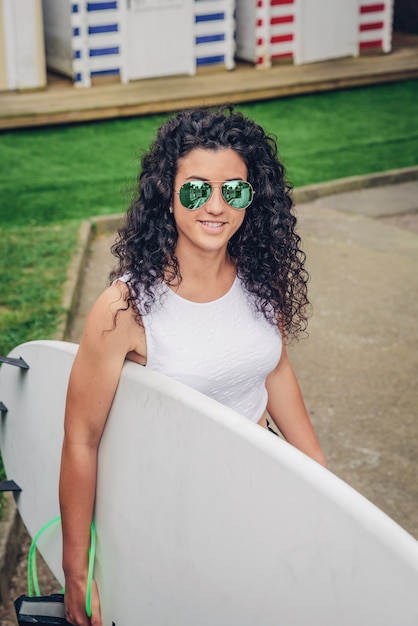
column 237, row 193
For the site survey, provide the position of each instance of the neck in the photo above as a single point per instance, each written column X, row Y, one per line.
column 204, row 265
column 204, row 276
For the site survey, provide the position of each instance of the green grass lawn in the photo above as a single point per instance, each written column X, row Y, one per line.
column 30, row 298
column 52, row 178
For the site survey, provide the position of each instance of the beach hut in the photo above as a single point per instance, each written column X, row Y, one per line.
column 84, row 39
column 214, row 33
column 22, row 55
column 135, row 39
column 376, row 25
column 157, row 40
column 306, row 31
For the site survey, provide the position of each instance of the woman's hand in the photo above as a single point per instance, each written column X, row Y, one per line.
column 75, row 603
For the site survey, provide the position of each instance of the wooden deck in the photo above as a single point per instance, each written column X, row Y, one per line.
column 61, row 103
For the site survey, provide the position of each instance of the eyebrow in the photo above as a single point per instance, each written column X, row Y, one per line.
column 206, row 180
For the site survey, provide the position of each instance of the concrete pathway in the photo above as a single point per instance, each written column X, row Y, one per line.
column 359, row 367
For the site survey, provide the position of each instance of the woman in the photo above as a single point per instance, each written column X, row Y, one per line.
column 209, row 286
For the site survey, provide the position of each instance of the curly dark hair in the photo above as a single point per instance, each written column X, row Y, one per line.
column 266, row 249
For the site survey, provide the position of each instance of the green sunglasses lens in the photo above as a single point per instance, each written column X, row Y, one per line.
column 237, row 193
column 194, row 194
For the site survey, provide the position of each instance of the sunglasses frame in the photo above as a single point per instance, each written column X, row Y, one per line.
column 212, row 186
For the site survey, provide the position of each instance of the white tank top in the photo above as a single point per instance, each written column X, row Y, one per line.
column 224, row 348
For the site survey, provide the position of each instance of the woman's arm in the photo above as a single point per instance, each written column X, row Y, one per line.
column 287, row 409
column 93, row 383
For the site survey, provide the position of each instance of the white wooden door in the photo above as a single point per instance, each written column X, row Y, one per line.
column 326, row 29
column 160, row 38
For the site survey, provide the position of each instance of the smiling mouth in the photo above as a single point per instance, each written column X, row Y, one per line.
column 212, row 224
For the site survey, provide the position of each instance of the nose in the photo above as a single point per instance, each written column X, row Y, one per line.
column 216, row 204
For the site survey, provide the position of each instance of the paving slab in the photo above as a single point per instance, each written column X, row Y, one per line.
column 376, row 202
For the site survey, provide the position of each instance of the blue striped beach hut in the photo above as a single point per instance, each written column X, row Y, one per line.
column 134, row 39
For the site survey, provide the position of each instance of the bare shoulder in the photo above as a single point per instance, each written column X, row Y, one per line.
column 113, row 298
column 112, row 324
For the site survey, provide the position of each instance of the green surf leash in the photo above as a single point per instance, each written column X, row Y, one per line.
column 33, row 583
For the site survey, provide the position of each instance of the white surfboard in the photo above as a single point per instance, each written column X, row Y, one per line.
column 202, row 517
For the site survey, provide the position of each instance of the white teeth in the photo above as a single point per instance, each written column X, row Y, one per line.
column 213, row 224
